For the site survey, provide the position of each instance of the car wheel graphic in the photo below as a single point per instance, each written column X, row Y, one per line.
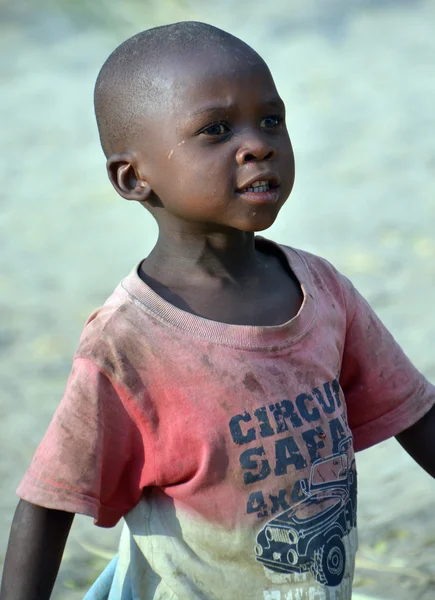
column 329, row 562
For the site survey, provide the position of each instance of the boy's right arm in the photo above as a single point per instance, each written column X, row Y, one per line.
column 36, row 544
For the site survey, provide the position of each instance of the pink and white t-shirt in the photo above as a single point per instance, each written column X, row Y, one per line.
column 228, row 449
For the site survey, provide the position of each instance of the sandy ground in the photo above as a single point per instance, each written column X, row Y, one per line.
column 358, row 80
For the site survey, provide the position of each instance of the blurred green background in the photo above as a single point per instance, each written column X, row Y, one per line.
column 359, row 83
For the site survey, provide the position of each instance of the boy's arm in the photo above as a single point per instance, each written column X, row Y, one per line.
column 419, row 441
column 36, row 544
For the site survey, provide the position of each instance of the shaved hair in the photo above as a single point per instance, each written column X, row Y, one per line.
column 131, row 81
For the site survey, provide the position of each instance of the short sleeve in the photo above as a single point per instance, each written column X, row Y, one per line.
column 385, row 394
column 92, row 457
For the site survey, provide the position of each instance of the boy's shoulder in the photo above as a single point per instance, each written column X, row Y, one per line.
column 110, row 334
column 325, row 280
column 319, row 268
column 313, row 262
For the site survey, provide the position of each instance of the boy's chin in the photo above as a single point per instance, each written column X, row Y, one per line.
column 256, row 225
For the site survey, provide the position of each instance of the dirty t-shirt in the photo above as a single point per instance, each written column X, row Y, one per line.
column 228, row 449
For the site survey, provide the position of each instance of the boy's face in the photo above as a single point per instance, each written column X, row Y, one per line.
column 218, row 131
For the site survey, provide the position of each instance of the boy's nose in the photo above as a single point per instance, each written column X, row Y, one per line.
column 254, row 150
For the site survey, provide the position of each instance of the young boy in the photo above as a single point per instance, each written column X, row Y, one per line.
column 217, row 398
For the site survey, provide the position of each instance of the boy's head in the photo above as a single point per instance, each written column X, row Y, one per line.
column 189, row 118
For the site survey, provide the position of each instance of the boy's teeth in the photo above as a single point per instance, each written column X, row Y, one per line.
column 258, row 186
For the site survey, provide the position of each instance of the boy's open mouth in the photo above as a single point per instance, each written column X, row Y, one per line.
column 260, row 191
column 259, row 186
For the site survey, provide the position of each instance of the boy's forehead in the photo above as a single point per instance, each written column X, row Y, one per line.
column 203, row 76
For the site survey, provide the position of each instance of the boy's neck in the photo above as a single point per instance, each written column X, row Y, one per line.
column 189, row 256
column 221, row 276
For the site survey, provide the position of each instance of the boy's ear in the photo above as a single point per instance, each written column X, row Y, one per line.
column 122, row 172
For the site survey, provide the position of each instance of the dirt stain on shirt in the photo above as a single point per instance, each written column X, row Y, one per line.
column 252, row 384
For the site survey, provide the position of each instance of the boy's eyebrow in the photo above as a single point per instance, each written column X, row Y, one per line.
column 273, row 102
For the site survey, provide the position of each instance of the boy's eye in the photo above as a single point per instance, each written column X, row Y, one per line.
column 271, row 121
column 216, row 129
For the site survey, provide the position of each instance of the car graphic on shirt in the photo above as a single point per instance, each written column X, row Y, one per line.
column 308, row 536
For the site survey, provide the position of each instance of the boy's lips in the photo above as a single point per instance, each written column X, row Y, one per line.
column 260, row 189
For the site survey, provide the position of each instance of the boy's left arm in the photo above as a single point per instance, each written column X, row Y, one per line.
column 419, row 441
